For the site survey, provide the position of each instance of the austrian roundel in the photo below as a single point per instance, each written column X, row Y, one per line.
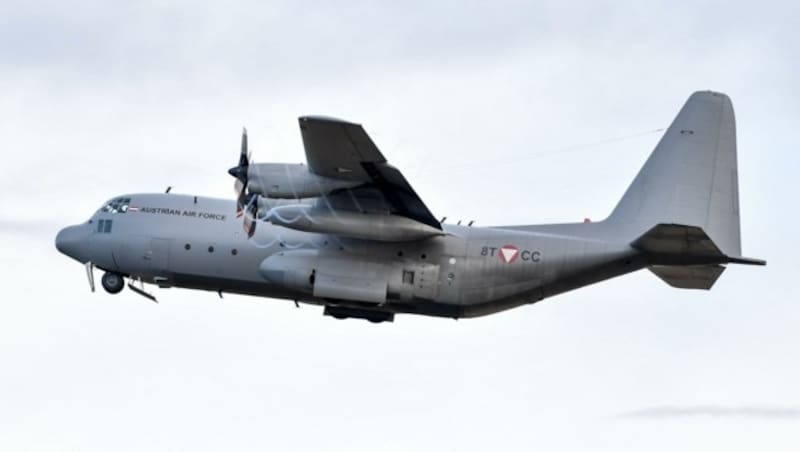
column 509, row 253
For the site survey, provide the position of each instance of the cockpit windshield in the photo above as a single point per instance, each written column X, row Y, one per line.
column 117, row 205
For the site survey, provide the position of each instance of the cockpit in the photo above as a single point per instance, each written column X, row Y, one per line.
column 117, row 205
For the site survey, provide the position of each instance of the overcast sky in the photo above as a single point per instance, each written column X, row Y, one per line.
column 501, row 112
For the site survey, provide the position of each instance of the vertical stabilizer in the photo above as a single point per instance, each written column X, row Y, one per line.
column 691, row 176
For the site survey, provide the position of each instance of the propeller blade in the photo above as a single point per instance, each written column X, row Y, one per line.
column 240, row 171
column 241, row 196
column 250, row 216
column 244, row 156
column 249, row 225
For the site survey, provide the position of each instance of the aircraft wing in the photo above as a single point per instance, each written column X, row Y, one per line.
column 342, row 150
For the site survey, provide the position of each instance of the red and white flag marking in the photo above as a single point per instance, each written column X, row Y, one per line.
column 509, row 253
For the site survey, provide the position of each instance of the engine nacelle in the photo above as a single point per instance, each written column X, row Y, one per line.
column 365, row 226
column 291, row 181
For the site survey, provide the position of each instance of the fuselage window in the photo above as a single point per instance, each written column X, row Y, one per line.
column 104, row 226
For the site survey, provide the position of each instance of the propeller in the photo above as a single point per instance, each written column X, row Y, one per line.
column 240, row 173
column 246, row 203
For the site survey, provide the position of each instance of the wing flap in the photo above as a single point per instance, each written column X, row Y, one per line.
column 398, row 192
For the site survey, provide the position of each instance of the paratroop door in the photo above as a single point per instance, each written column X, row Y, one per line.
column 158, row 256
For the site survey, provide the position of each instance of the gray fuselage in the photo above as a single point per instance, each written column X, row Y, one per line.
column 198, row 243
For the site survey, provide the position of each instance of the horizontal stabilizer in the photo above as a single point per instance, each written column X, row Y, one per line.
column 678, row 244
column 688, row 277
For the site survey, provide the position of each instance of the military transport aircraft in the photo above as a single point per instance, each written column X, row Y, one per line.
column 347, row 231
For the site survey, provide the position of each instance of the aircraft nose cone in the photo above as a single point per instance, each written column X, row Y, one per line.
column 73, row 242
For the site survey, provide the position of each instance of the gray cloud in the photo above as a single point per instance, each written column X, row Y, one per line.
column 289, row 40
column 714, row 411
column 286, row 40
